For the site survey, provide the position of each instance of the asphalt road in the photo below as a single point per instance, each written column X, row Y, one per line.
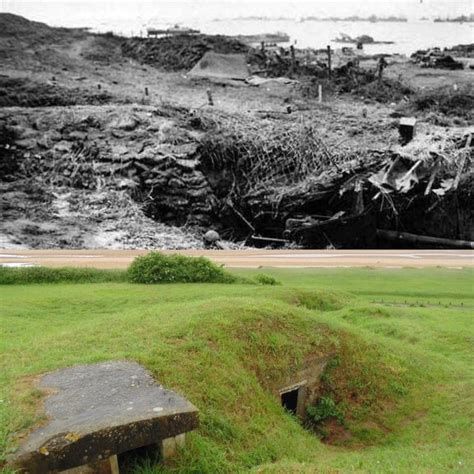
column 251, row 258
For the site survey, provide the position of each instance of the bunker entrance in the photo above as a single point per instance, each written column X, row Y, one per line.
column 289, row 401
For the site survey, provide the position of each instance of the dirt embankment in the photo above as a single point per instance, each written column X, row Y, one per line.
column 101, row 148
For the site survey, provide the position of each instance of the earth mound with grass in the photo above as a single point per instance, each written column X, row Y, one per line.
column 396, row 390
column 160, row 268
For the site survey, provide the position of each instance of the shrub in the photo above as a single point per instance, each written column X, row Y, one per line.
column 156, row 267
column 325, row 408
column 263, row 279
column 447, row 101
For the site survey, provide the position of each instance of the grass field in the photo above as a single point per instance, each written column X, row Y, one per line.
column 403, row 381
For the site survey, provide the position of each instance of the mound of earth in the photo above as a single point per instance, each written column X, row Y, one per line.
column 179, row 52
column 95, row 177
column 16, row 26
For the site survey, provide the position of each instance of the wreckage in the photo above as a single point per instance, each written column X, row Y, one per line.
column 390, row 192
column 121, row 172
column 261, row 186
column 436, row 58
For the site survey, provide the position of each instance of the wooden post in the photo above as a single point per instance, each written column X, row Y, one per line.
column 329, row 61
column 293, row 60
column 146, row 91
column 209, row 97
column 262, row 48
column 320, row 93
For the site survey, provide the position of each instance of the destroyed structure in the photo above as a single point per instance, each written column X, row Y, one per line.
column 126, row 172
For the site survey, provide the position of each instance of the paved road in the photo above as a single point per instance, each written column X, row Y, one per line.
column 251, row 258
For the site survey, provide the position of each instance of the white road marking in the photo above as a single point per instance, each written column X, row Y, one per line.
column 50, row 256
column 339, row 255
column 16, row 265
column 458, row 255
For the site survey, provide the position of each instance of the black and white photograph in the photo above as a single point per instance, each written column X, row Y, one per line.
column 236, row 236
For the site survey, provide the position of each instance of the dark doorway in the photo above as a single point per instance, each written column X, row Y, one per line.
column 289, row 401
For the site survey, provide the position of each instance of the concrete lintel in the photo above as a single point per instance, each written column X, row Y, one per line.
column 290, row 388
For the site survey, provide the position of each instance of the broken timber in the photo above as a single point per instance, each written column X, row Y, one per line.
column 395, row 236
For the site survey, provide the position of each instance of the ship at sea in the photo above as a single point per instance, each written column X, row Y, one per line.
column 267, row 38
column 173, row 31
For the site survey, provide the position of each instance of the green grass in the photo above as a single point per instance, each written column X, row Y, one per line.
column 29, row 275
column 403, row 382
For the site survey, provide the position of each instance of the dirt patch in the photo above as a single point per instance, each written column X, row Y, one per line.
column 22, row 92
column 333, row 432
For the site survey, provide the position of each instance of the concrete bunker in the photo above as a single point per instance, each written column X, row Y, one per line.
column 96, row 413
column 300, row 387
column 293, row 398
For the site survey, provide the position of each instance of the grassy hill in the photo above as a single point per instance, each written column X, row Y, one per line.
column 400, row 376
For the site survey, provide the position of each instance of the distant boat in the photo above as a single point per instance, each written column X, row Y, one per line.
column 173, row 31
column 364, row 39
column 268, row 38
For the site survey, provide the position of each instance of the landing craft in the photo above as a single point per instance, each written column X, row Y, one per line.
column 175, row 30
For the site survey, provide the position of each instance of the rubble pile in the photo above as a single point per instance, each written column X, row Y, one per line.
column 461, row 50
column 435, row 58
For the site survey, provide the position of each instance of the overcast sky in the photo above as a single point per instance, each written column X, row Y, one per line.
column 228, row 8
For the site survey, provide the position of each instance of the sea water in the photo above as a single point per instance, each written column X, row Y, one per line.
column 233, row 18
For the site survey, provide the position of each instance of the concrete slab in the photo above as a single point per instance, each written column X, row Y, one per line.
column 97, row 411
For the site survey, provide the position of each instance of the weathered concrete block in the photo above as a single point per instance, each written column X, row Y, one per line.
column 108, row 466
column 169, row 446
column 97, row 411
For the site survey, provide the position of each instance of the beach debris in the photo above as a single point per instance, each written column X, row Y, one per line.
column 461, row 50
column 221, row 66
column 267, row 39
column 435, row 58
column 262, row 81
column 423, row 240
column 359, row 40
column 175, row 30
column 211, row 237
